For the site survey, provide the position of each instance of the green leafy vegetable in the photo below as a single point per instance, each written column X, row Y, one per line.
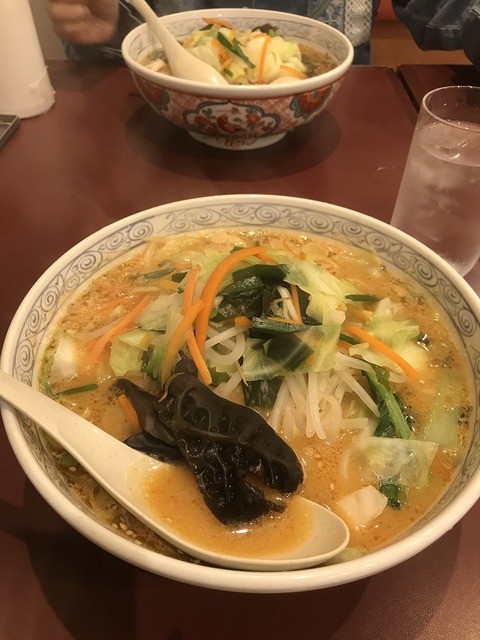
column 179, row 276
column 154, row 361
column 443, row 422
column 311, row 350
column 160, row 273
column 81, row 389
column 265, row 272
column 394, row 333
column 235, row 48
column 361, row 297
column 394, row 494
column 128, row 350
column 244, row 286
column 327, row 292
column 261, row 393
column 287, row 350
column 349, row 339
column 392, row 422
column 249, row 303
column 265, row 325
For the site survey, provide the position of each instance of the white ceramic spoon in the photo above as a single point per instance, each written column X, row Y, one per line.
column 120, row 470
column 182, row 63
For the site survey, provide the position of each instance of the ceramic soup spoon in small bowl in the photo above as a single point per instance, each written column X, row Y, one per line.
column 121, row 471
column 182, row 63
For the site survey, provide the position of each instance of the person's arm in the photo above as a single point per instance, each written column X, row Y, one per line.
column 84, row 21
column 92, row 29
column 443, row 25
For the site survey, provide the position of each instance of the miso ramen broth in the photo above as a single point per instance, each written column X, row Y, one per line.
column 362, row 380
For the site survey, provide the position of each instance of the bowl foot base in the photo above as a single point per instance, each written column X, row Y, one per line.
column 237, row 144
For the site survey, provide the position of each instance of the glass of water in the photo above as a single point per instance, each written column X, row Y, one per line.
column 439, row 198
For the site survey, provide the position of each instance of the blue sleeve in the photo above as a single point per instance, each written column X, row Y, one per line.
column 443, row 24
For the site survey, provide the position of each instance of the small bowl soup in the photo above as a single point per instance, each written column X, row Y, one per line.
column 242, row 116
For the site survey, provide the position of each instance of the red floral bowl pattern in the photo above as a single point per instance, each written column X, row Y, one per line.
column 240, row 117
column 236, row 122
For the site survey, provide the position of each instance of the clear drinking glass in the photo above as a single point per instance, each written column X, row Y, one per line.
column 439, row 198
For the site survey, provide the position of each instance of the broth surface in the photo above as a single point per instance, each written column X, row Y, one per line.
column 173, row 496
column 329, row 474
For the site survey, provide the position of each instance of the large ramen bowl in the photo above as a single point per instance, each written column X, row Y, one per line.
column 239, row 117
column 34, row 318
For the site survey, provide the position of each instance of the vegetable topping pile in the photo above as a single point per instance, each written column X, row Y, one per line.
column 252, row 56
column 251, row 349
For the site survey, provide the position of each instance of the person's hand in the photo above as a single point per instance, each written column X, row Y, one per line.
column 84, row 21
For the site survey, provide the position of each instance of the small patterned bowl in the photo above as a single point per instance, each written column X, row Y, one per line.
column 240, row 117
column 54, row 289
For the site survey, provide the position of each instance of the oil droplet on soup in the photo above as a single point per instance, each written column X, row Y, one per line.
column 172, row 495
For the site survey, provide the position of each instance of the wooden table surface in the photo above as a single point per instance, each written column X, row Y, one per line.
column 100, row 154
column 419, row 79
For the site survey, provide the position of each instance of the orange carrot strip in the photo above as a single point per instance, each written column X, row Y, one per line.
column 296, row 301
column 266, row 258
column 243, row 321
column 108, row 336
column 218, row 22
column 220, row 50
column 341, row 344
column 261, row 62
column 197, row 357
column 190, row 284
column 188, row 295
column 293, row 72
column 213, row 284
column 129, row 411
column 358, row 332
column 179, row 336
